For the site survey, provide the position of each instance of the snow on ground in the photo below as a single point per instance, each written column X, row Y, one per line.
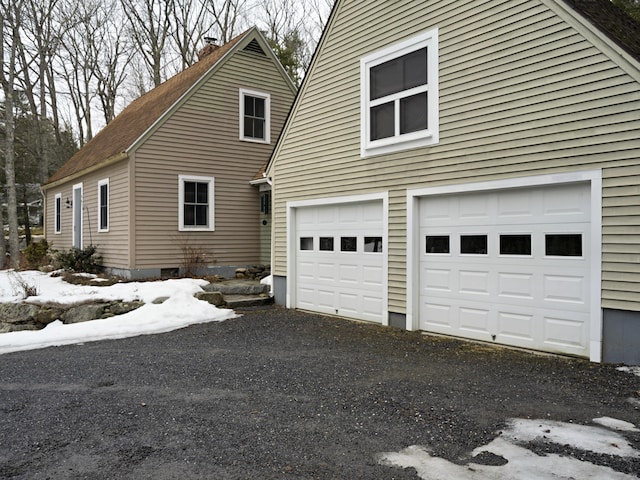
column 632, row 370
column 524, row 464
column 179, row 310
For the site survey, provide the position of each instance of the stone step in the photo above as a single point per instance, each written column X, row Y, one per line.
column 238, row 287
column 242, row 301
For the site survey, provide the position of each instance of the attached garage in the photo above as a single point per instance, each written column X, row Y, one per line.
column 339, row 258
column 515, row 266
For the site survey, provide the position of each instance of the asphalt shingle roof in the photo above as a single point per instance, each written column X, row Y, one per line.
column 612, row 21
column 139, row 116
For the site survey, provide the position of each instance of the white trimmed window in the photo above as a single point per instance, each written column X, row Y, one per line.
column 103, row 205
column 399, row 96
column 196, row 209
column 255, row 112
column 57, row 213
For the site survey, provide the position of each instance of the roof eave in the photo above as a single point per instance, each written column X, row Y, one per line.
column 108, row 162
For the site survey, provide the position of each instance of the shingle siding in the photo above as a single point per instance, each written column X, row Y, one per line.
column 522, row 93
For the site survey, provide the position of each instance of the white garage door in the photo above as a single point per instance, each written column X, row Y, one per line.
column 339, row 260
column 508, row 266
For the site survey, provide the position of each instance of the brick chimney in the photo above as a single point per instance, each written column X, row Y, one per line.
column 209, row 47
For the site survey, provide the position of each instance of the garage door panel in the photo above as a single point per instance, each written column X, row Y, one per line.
column 437, row 317
column 372, row 276
column 325, row 271
column 474, row 208
column 516, row 285
column 567, row 201
column 523, row 293
column 473, row 282
column 349, row 274
column 514, row 205
column 563, row 333
column 474, row 320
column 565, row 289
column 513, row 325
column 436, row 280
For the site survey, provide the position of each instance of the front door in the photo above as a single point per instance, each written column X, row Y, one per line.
column 77, row 215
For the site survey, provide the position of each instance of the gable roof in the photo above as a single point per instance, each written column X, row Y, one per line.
column 611, row 20
column 119, row 135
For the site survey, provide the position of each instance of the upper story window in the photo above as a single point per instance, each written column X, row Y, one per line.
column 103, row 205
column 57, row 213
column 255, row 112
column 399, row 96
column 196, row 209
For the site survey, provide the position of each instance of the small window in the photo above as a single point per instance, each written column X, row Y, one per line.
column 399, row 96
column 326, row 244
column 255, row 116
column 348, row 244
column 265, row 203
column 473, row 244
column 196, row 210
column 306, row 243
column 373, row 244
column 515, row 244
column 103, row 205
column 58, row 213
column 563, row 245
column 437, row 244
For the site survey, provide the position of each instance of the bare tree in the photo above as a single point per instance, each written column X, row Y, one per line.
column 227, row 15
column 78, row 65
column 113, row 57
column 191, row 24
column 150, row 27
column 10, row 19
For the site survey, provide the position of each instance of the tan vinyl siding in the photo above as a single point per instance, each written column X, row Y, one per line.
column 62, row 240
column 521, row 93
column 112, row 245
column 202, row 138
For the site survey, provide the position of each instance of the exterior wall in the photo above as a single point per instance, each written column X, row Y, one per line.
column 113, row 245
column 522, row 93
column 621, row 337
column 202, row 138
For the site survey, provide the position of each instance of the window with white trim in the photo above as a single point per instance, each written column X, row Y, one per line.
column 399, row 96
column 255, row 113
column 103, row 205
column 57, row 213
column 196, row 205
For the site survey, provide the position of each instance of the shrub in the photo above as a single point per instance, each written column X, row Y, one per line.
column 78, row 260
column 36, row 253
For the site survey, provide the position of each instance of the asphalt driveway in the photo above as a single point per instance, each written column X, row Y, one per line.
column 284, row 394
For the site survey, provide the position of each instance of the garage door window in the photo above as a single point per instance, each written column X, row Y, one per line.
column 373, row 244
column 306, row 243
column 563, row 245
column 473, row 244
column 348, row 244
column 437, row 244
column 515, row 245
column 326, row 244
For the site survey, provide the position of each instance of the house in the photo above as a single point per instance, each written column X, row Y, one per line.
column 469, row 169
column 165, row 186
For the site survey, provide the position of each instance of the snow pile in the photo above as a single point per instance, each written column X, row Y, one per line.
column 179, row 310
column 524, row 464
